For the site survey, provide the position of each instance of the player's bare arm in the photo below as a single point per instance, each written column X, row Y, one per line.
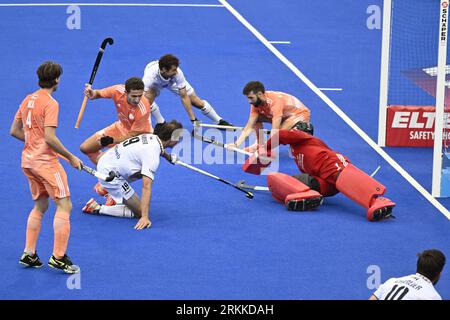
column 247, row 131
column 144, row 221
column 276, row 125
column 17, row 130
column 187, row 104
column 53, row 141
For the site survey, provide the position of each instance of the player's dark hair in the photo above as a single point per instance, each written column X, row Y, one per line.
column 167, row 61
column 47, row 73
column 165, row 130
column 134, row 83
column 430, row 264
column 254, row 86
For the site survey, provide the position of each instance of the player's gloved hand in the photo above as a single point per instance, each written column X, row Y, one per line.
column 106, row 141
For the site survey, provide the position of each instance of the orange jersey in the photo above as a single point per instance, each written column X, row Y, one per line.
column 37, row 111
column 132, row 118
column 283, row 105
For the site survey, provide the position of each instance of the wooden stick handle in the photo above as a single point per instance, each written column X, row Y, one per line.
column 80, row 114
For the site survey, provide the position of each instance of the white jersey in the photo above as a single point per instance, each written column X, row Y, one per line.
column 133, row 158
column 412, row 287
column 152, row 79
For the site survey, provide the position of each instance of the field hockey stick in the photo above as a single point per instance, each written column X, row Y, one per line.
column 222, row 145
column 179, row 162
column 243, row 185
column 110, row 177
column 106, row 41
column 231, row 128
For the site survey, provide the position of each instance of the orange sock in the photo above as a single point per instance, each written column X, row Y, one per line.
column 61, row 227
column 33, row 229
column 93, row 156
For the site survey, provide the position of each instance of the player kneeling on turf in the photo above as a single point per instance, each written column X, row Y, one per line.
column 134, row 159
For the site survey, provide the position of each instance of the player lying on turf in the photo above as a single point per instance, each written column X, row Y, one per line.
column 280, row 109
column 165, row 73
column 133, row 159
column 133, row 111
column 324, row 173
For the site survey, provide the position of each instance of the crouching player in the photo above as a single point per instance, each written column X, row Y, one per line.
column 324, row 173
column 134, row 159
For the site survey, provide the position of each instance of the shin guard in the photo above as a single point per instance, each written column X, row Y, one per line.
column 294, row 194
column 366, row 191
column 359, row 186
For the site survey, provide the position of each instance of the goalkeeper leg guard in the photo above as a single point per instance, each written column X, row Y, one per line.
column 294, row 194
column 366, row 191
column 325, row 188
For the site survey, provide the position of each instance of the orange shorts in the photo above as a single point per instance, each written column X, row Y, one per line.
column 47, row 181
column 116, row 131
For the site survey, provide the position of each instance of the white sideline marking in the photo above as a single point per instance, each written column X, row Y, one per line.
column 111, row 5
column 280, row 42
column 375, row 172
column 330, row 89
column 338, row 111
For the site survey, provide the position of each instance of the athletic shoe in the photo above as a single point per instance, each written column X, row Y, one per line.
column 381, row 209
column 63, row 264
column 91, row 207
column 100, row 190
column 224, row 123
column 29, row 260
column 304, row 204
column 110, row 201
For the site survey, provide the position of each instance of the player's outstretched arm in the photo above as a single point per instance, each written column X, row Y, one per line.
column 246, row 131
column 17, row 130
column 144, row 221
column 53, row 141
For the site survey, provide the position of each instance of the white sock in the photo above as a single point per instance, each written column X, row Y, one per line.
column 156, row 113
column 119, row 210
column 209, row 111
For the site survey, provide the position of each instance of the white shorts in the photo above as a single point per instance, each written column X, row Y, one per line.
column 174, row 89
column 119, row 189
